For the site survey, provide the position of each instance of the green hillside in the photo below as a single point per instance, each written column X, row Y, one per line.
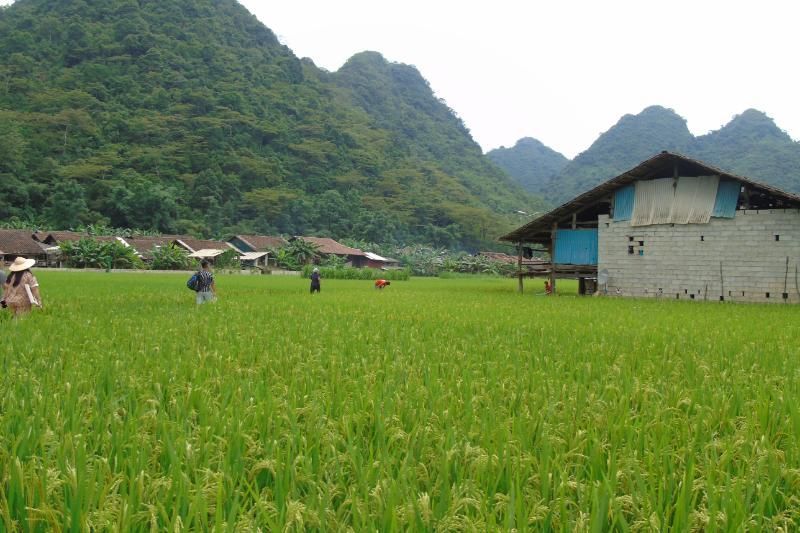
column 752, row 145
column 190, row 116
column 530, row 163
column 632, row 140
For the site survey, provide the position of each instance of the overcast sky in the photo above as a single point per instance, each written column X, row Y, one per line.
column 565, row 71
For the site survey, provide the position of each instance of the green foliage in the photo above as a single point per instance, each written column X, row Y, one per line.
column 227, row 260
column 91, row 253
column 286, row 260
column 302, row 252
column 171, row 258
column 530, row 163
column 334, row 262
column 190, row 116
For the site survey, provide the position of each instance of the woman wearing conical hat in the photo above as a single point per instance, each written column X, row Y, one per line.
column 21, row 290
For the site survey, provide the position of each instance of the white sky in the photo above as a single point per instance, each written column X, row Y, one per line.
column 564, row 71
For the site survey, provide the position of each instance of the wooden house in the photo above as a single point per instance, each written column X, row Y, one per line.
column 325, row 247
column 20, row 243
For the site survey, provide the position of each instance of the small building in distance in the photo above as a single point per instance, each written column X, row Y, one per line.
column 325, row 246
column 674, row 227
column 145, row 245
column 380, row 262
column 257, row 243
column 256, row 248
column 21, row 243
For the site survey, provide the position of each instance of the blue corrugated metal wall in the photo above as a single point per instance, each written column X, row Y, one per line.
column 623, row 202
column 727, row 198
column 576, row 247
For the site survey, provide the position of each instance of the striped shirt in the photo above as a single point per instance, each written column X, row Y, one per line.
column 204, row 281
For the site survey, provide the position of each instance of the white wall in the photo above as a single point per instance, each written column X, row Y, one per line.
column 678, row 262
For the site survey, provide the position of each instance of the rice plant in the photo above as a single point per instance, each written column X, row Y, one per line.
column 432, row 405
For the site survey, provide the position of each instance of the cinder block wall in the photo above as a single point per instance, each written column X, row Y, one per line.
column 683, row 261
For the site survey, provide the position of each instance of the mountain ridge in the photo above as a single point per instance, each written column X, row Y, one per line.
column 750, row 144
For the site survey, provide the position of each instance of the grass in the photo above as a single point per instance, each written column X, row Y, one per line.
column 434, row 404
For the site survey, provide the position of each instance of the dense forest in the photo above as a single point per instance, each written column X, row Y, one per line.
column 750, row 145
column 189, row 116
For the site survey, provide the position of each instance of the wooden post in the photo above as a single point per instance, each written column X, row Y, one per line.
column 574, row 220
column 553, row 258
column 519, row 265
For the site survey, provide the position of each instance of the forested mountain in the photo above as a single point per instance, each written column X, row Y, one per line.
column 750, row 145
column 530, row 163
column 190, row 116
column 632, row 140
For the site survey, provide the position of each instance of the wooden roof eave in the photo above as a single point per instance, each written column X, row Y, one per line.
column 541, row 226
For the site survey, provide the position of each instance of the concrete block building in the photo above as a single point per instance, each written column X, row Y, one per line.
column 674, row 227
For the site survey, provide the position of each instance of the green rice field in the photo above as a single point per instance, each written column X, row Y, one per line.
column 435, row 404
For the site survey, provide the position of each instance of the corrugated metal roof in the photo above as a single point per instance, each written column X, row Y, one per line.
column 207, row 252
column 252, row 256
column 694, row 200
column 653, row 202
column 375, row 257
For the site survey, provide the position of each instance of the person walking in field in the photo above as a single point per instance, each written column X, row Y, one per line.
column 315, row 277
column 21, row 289
column 206, row 288
column 381, row 283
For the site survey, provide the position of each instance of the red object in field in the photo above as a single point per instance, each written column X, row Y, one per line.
column 548, row 289
column 381, row 283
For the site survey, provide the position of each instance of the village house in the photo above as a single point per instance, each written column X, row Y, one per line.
column 380, row 262
column 145, row 245
column 673, row 227
column 325, row 247
column 256, row 248
column 20, row 243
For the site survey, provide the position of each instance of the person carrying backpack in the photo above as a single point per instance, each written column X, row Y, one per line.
column 204, row 284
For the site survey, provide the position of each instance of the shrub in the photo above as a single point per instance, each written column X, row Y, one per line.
column 171, row 258
column 89, row 253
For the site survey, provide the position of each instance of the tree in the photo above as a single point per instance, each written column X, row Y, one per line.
column 90, row 253
column 170, row 258
column 67, row 207
column 302, row 252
